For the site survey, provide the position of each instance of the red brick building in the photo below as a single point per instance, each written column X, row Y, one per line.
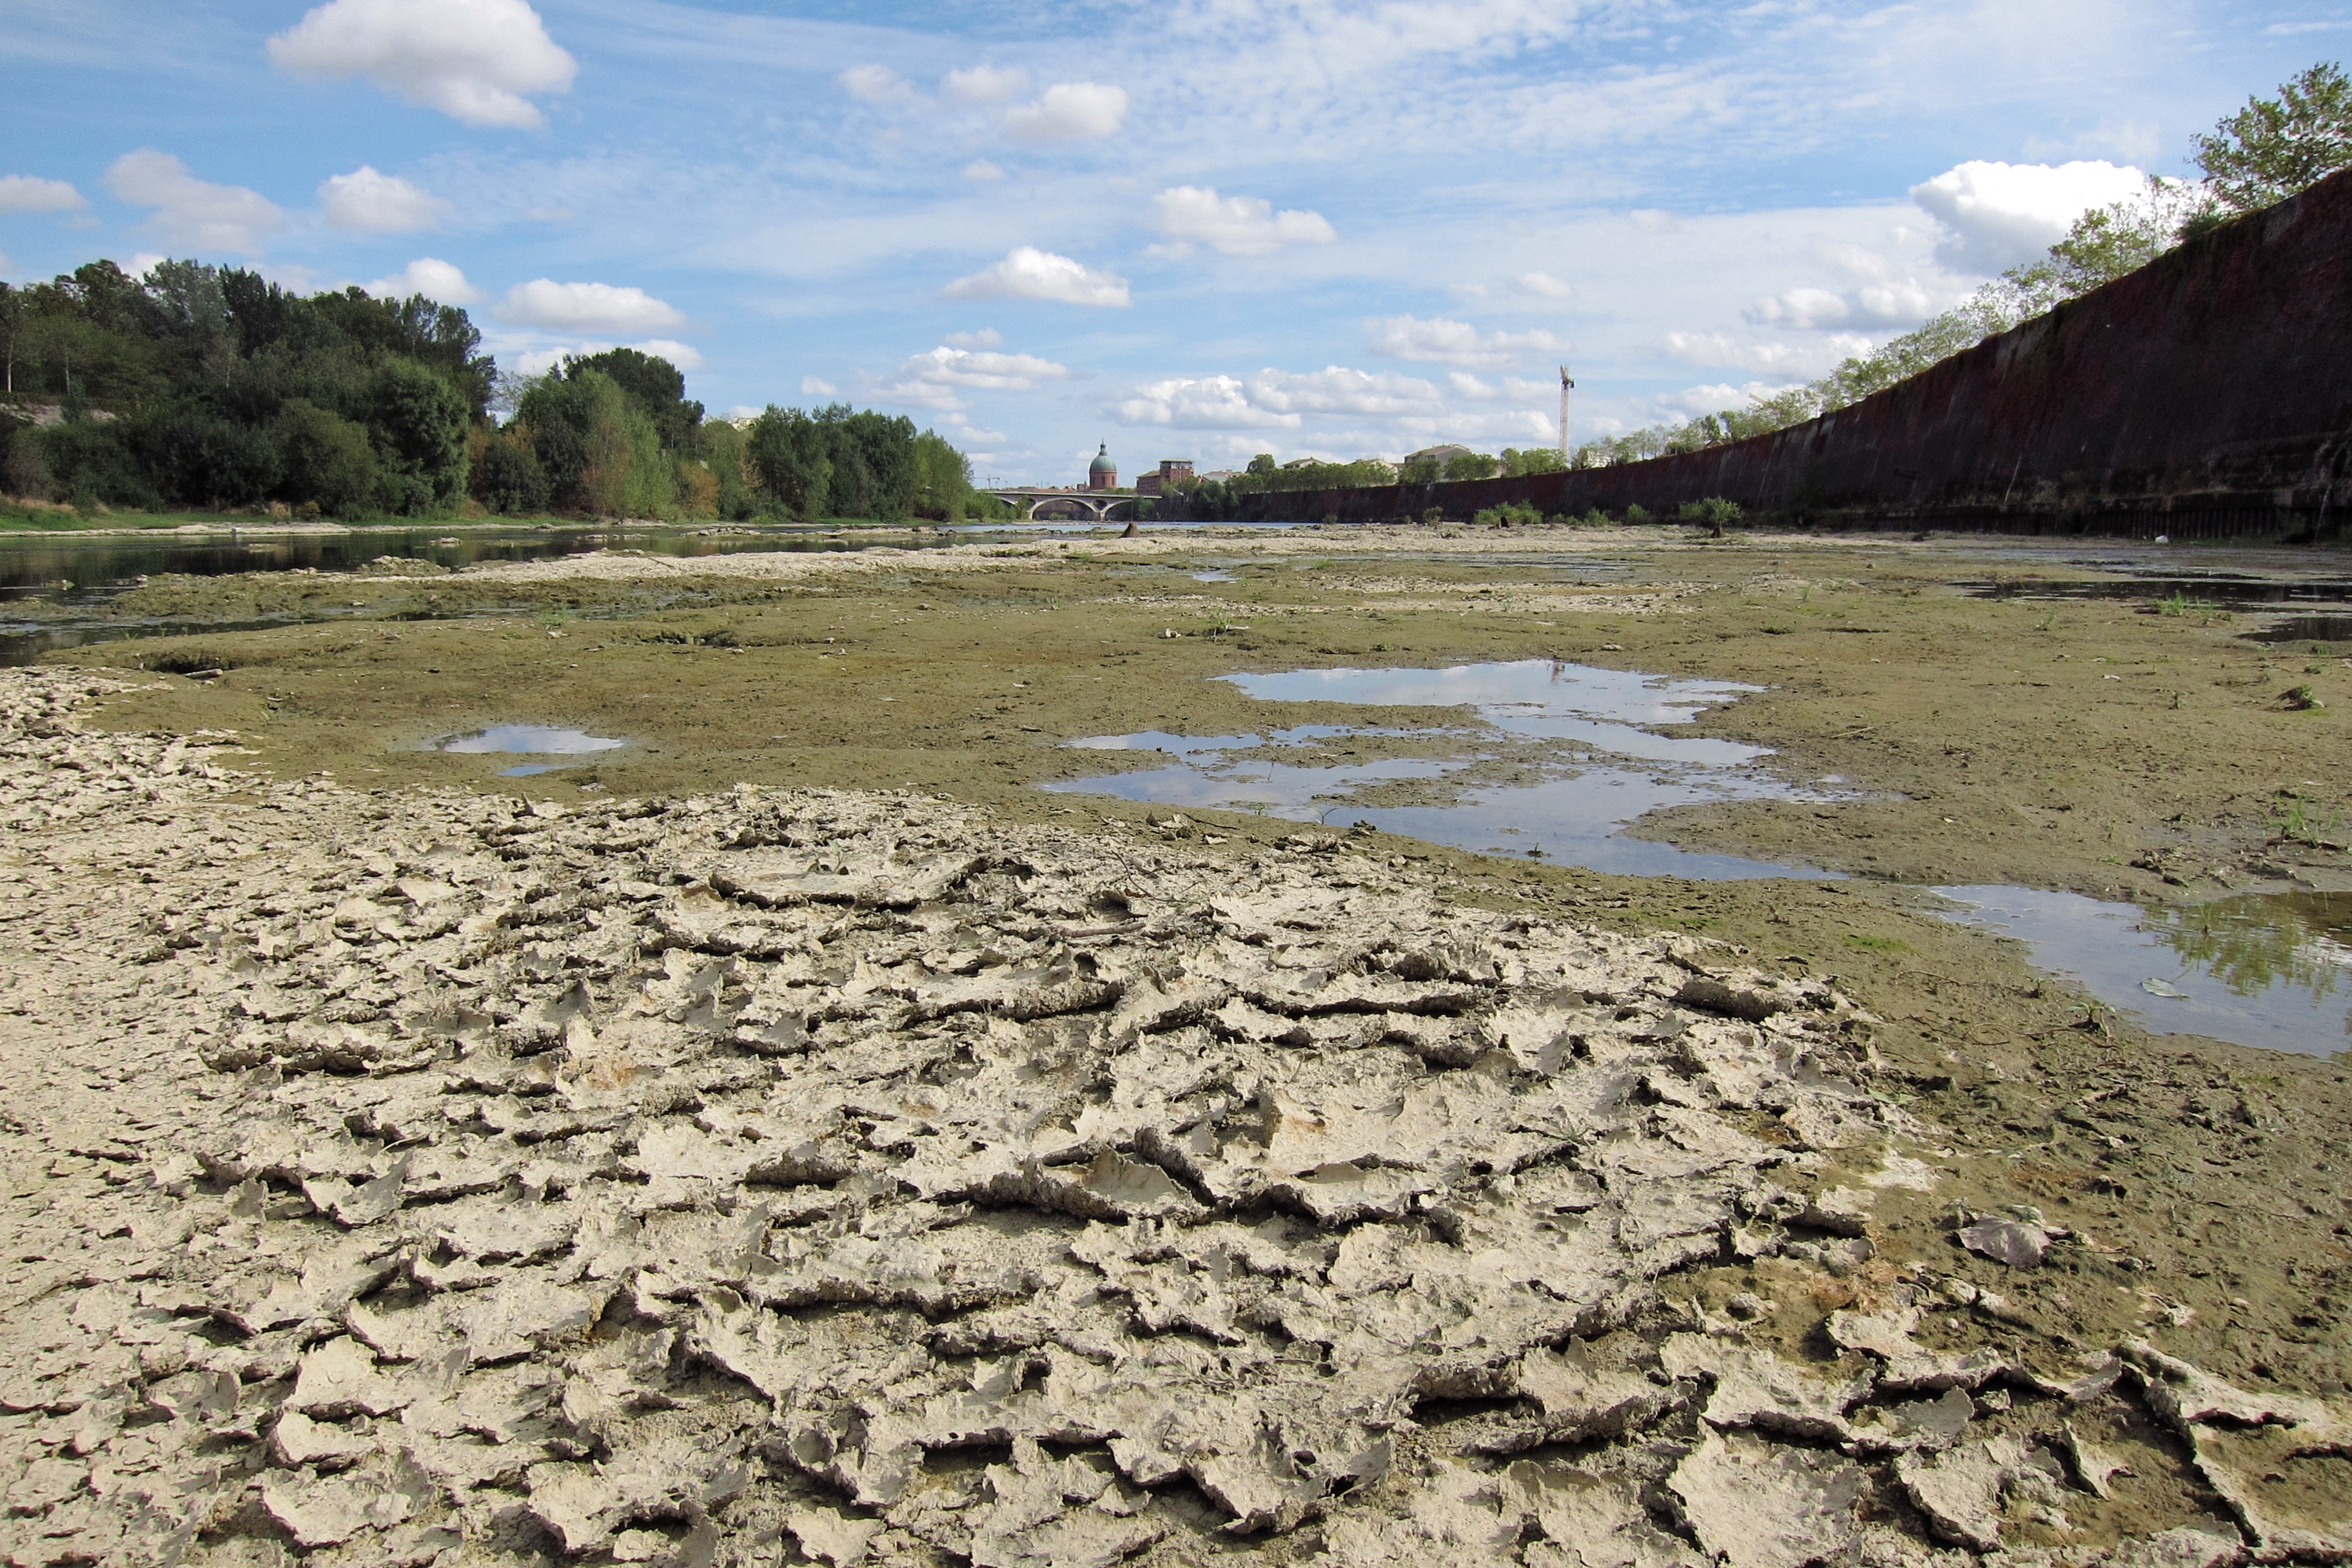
column 1171, row 471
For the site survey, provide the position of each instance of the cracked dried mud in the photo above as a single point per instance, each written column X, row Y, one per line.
column 741, row 1153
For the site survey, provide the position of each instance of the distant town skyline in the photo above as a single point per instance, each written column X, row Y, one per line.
column 1331, row 230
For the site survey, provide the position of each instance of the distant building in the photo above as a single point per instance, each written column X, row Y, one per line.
column 1172, row 472
column 1441, row 456
column 1302, row 463
column 1102, row 474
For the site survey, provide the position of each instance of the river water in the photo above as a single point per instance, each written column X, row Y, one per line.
column 74, row 581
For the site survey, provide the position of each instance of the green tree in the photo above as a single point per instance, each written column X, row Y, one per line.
column 507, row 478
column 1470, row 465
column 654, row 386
column 942, row 483
column 419, row 421
column 788, row 450
column 12, row 313
column 2275, row 147
column 1263, row 464
column 330, row 461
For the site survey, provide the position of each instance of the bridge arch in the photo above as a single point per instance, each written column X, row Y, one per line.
column 1098, row 505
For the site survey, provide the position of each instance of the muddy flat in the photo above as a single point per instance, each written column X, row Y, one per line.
column 798, row 1115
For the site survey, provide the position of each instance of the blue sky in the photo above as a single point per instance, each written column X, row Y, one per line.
column 1196, row 229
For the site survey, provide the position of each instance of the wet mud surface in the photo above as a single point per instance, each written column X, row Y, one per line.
column 612, row 1166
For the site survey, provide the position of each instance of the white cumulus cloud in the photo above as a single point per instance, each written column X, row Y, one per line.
column 1441, row 341
column 31, row 194
column 1069, row 111
column 374, row 203
column 1715, row 399
column 1338, row 389
column 982, row 169
column 1787, row 359
column 587, row 308
column 878, row 84
column 1996, row 215
column 1546, row 285
column 1233, row 226
column 986, row 338
column 1900, row 303
column 429, row 275
column 1029, row 273
column 475, row 60
column 685, row 356
column 192, row 213
column 1279, row 399
column 1201, row 403
column 987, row 84
column 815, row 386
column 934, row 379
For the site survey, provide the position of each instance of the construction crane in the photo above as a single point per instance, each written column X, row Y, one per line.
column 1565, row 386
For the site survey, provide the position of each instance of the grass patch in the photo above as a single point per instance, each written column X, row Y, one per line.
column 1876, row 943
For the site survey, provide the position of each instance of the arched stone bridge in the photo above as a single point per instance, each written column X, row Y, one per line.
column 1097, row 504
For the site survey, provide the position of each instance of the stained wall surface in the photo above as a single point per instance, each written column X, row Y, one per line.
column 2208, row 394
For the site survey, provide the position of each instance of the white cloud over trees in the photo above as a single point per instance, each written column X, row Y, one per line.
column 31, row 194
column 369, row 202
column 479, row 61
column 1279, row 399
column 587, row 308
column 429, row 275
column 1029, row 273
column 938, row 379
column 1233, row 226
column 1996, row 215
column 194, row 214
column 1787, row 359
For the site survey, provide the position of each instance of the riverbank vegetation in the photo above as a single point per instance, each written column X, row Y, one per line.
column 194, row 387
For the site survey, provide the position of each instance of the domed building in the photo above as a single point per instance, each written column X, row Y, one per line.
column 1102, row 474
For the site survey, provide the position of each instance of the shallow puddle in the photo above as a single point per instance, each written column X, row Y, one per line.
column 543, row 739
column 2272, row 970
column 1603, row 763
column 2303, row 628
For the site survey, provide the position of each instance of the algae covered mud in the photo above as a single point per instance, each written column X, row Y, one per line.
column 729, row 1147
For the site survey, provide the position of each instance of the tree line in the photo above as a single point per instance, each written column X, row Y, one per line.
column 2267, row 152
column 211, row 387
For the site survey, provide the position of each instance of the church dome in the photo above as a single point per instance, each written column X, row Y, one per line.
column 1102, row 474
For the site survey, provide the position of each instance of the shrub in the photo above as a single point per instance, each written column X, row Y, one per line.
column 1714, row 512
column 1637, row 515
column 508, row 477
column 330, row 462
column 1506, row 514
column 195, row 457
column 420, row 422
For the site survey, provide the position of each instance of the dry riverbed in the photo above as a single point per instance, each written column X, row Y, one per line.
column 889, row 1162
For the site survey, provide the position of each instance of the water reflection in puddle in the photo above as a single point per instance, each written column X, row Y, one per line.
column 2272, row 970
column 1619, row 768
column 539, row 737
